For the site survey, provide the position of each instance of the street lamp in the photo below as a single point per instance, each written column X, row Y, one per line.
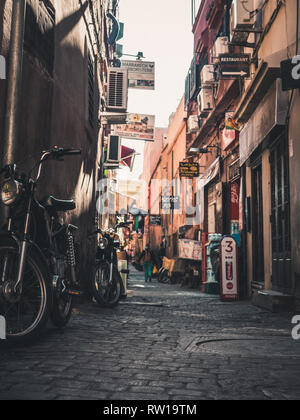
column 203, row 150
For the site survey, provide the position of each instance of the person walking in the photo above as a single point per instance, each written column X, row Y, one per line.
column 148, row 260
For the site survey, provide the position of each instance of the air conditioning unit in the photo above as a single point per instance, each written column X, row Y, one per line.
column 220, row 47
column 242, row 14
column 117, row 92
column 206, row 101
column 208, row 75
column 193, row 124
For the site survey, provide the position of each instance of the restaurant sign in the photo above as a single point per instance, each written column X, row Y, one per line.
column 233, row 66
column 188, row 170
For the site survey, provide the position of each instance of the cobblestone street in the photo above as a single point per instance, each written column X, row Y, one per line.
column 163, row 342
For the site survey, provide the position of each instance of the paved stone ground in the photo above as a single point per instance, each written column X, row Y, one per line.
column 163, row 342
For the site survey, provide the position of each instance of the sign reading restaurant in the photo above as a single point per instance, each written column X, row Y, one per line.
column 141, row 74
column 234, row 65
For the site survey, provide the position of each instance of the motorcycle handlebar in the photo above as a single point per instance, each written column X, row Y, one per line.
column 71, row 152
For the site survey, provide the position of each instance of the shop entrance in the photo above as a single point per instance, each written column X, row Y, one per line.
column 280, row 216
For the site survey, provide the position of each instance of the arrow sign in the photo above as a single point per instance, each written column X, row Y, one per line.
column 234, row 65
column 228, row 73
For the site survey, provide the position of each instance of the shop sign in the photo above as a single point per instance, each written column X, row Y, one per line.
column 229, row 269
column 155, row 220
column 137, row 127
column 190, row 250
column 234, row 66
column 141, row 74
column 290, row 73
column 188, row 170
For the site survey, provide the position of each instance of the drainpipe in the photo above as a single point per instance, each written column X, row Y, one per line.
column 14, row 81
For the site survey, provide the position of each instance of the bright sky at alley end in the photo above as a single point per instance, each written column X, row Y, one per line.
column 162, row 30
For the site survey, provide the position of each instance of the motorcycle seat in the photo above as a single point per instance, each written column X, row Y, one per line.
column 51, row 203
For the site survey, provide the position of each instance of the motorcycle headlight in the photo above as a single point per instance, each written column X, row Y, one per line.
column 10, row 191
column 103, row 243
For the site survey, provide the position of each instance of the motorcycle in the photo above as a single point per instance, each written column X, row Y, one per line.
column 37, row 255
column 105, row 281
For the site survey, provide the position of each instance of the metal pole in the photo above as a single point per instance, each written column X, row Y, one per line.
column 14, row 81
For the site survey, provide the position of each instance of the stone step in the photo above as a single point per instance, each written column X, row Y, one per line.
column 273, row 301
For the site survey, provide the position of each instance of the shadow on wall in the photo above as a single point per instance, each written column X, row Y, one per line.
column 3, row 3
column 54, row 112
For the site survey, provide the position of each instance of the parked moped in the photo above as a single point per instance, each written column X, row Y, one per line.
column 37, row 255
column 105, row 280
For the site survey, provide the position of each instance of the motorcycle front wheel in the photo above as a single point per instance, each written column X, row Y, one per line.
column 26, row 312
column 106, row 293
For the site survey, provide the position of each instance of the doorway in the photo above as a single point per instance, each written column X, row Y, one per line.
column 280, row 216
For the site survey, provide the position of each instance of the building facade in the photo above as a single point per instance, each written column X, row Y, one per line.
column 241, row 128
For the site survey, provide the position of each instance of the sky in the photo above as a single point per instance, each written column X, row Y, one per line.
column 162, row 30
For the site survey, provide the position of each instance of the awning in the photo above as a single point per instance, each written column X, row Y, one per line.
column 270, row 113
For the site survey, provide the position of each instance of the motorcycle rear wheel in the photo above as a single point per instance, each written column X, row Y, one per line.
column 106, row 294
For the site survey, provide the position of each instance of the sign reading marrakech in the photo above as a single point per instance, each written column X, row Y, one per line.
column 141, row 74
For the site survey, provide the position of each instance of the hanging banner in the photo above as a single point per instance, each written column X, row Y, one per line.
column 229, row 269
column 138, row 127
column 228, row 137
column 234, row 200
column 141, row 74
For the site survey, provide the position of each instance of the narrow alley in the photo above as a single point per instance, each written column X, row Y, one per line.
column 163, row 343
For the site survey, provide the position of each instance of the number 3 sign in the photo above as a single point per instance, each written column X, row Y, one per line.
column 229, row 269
